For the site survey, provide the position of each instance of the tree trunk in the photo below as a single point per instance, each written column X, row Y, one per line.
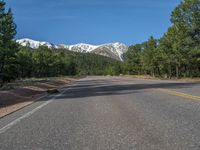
column 153, row 73
column 177, row 71
column 170, row 71
column 159, row 72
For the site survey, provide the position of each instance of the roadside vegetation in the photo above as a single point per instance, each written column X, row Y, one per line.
column 45, row 62
column 18, row 62
column 176, row 54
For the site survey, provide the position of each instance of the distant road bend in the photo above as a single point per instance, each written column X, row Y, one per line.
column 109, row 113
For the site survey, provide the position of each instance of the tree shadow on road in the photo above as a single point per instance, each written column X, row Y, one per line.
column 94, row 88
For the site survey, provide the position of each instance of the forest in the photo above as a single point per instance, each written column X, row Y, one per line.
column 45, row 62
column 18, row 62
column 175, row 54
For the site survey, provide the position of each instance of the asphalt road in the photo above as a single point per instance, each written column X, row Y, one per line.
column 109, row 113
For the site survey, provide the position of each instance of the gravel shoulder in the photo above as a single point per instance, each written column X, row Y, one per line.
column 23, row 93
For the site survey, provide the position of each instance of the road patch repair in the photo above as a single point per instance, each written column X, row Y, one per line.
column 16, row 98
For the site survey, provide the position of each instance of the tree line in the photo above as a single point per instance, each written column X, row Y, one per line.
column 45, row 62
column 17, row 62
column 177, row 53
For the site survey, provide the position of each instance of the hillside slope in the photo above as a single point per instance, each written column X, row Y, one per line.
column 112, row 50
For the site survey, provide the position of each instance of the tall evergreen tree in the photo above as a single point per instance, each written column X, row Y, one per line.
column 25, row 62
column 186, row 20
column 8, row 47
column 132, row 59
column 149, row 57
column 2, row 54
column 2, row 18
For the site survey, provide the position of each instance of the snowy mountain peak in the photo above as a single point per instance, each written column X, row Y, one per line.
column 113, row 50
column 34, row 44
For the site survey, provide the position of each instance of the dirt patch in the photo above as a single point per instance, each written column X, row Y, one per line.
column 25, row 94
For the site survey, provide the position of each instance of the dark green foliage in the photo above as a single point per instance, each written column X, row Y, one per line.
column 45, row 62
column 92, row 64
column 25, row 62
column 49, row 63
column 8, row 47
column 132, row 59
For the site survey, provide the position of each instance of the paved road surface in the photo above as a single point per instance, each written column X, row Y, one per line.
column 109, row 113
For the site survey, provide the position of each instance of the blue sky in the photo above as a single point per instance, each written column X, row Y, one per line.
column 92, row 21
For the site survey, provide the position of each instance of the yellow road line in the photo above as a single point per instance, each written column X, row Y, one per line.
column 180, row 94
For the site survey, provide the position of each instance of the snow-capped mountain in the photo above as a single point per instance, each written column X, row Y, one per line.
column 34, row 44
column 83, row 48
column 113, row 50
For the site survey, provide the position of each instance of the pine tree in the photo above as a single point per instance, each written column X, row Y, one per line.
column 2, row 17
column 186, row 21
column 132, row 59
column 8, row 47
column 149, row 60
column 9, row 30
column 25, row 62
column 2, row 54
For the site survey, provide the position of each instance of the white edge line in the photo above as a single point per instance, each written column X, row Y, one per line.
column 8, row 126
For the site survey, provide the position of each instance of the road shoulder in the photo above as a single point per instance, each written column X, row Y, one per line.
column 23, row 96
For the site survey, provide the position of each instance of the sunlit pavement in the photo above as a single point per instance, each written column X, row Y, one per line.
column 103, row 113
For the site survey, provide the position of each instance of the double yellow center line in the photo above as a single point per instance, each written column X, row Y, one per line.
column 180, row 94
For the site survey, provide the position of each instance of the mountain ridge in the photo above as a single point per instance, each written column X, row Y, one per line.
column 113, row 50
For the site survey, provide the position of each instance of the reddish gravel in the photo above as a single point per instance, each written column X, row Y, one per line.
column 15, row 99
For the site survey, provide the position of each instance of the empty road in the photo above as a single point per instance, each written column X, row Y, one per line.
column 109, row 113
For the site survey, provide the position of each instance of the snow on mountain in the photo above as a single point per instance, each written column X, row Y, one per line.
column 113, row 50
column 116, row 48
column 34, row 44
column 83, row 48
